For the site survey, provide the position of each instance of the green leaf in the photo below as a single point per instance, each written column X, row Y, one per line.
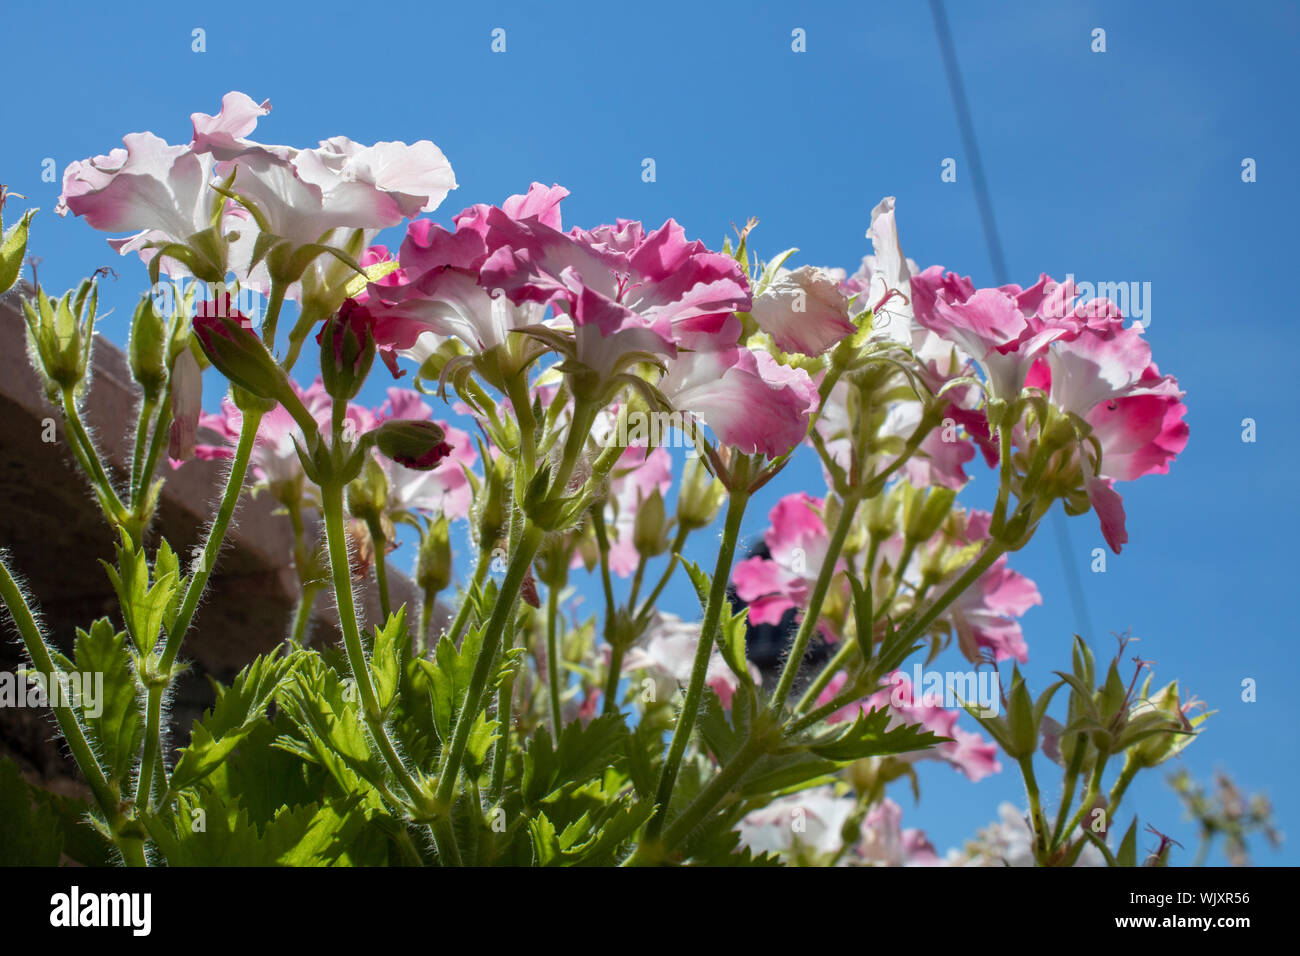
column 386, row 659
column 118, row 726
column 326, row 712
column 85, row 838
column 546, row 842
column 236, row 714
column 29, row 835
column 1127, row 855
column 700, row 579
column 868, row 736
column 449, row 677
column 719, row 736
column 13, row 247
column 581, row 754
column 144, row 605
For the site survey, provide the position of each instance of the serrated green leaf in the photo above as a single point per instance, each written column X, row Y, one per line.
column 236, row 713
column 118, row 728
column 869, row 736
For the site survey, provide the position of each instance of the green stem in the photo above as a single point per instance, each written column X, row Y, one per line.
column 1067, row 793
column 426, row 621
column 1035, row 807
column 502, row 611
column 381, row 564
column 159, row 680
column 147, row 408
column 444, row 837
column 1117, row 792
column 915, row 627
column 1089, row 796
column 132, row 848
column 637, row 579
column 675, row 550
column 462, row 613
column 88, row 458
column 332, row 502
column 273, row 307
column 553, row 664
column 302, row 614
column 161, row 425
column 714, row 793
column 812, row 613
column 699, row 671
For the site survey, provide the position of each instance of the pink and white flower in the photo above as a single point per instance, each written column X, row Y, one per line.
column 666, row 654
column 968, row 752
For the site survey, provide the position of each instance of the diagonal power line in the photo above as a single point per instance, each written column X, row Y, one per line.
column 1001, row 274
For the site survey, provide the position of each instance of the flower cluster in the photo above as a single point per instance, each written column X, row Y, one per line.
column 574, row 357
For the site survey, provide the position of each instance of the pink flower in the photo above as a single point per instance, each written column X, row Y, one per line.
column 666, row 653
column 306, row 193
column 640, row 472
column 985, row 617
column 966, row 751
column 275, row 458
column 884, row 842
column 804, row 311
column 797, row 541
column 441, row 292
column 154, row 190
column 750, row 400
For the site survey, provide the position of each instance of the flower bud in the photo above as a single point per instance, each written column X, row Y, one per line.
column 13, row 247
column 368, row 493
column 147, row 349
column 227, row 339
column 347, row 350
column 187, row 406
column 701, row 496
column 924, row 510
column 433, row 567
column 648, row 532
column 59, row 334
column 416, row 444
column 880, row 514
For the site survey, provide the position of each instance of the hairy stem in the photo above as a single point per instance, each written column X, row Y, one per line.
column 699, row 670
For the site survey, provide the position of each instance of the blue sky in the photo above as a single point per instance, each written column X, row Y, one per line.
column 1117, row 166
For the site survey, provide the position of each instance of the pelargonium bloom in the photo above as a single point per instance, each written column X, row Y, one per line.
column 985, row 618
column 306, row 193
column 666, row 653
column 966, row 751
column 440, row 291
column 749, row 399
column 804, row 310
column 274, row 461
column 154, row 190
column 797, row 542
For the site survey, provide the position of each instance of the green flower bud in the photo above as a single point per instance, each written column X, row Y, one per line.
column 413, row 443
column 347, row 342
column 433, row 567
column 147, row 349
column 13, row 247
column 368, row 492
column 227, row 339
column 649, row 530
column 924, row 510
column 701, row 496
column 59, row 335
